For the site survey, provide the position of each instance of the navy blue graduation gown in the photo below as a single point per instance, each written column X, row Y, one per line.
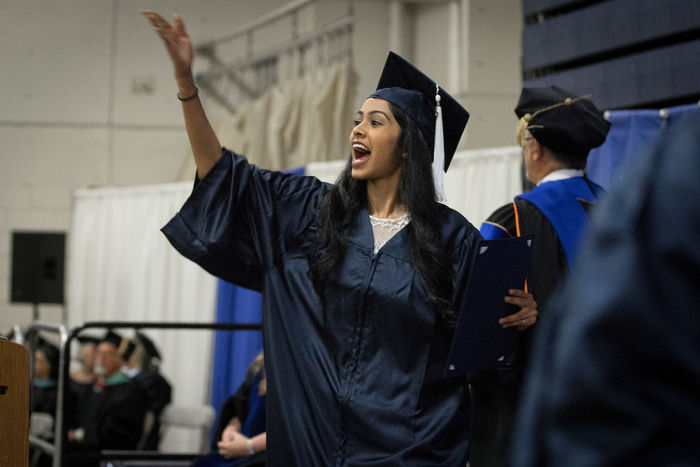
column 615, row 372
column 354, row 375
column 111, row 419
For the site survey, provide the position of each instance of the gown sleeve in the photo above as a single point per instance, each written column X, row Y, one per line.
column 240, row 219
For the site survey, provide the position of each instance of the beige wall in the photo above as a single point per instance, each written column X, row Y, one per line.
column 87, row 96
column 488, row 74
column 493, row 78
column 488, row 51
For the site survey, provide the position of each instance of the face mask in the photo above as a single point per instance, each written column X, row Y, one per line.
column 99, row 370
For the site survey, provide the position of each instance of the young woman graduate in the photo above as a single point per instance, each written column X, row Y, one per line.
column 360, row 279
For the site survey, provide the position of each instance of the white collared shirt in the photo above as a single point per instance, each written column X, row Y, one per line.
column 561, row 175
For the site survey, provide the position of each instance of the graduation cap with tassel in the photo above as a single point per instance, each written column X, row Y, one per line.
column 440, row 118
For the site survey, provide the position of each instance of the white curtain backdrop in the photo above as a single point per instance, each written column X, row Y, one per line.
column 122, row 268
column 481, row 180
column 326, row 171
column 478, row 181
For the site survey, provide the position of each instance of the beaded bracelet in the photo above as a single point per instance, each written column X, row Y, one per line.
column 188, row 98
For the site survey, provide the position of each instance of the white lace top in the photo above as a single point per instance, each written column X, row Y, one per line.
column 384, row 229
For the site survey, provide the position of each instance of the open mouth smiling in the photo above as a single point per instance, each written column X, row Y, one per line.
column 360, row 153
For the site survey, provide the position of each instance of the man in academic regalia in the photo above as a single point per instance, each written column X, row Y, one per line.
column 556, row 130
column 109, row 413
column 615, row 373
column 85, row 373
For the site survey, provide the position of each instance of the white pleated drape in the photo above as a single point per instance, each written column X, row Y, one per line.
column 122, row 268
column 481, row 180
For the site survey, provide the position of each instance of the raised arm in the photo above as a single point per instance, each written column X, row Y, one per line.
column 205, row 145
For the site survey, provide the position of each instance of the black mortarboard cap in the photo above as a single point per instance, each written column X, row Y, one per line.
column 561, row 121
column 113, row 338
column 127, row 350
column 88, row 340
column 124, row 346
column 148, row 345
column 413, row 92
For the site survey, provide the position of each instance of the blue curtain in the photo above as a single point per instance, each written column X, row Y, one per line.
column 631, row 132
column 234, row 351
column 678, row 114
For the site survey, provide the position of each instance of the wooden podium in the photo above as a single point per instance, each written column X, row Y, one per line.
column 14, row 404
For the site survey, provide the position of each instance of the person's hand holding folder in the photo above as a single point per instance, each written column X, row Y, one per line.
column 493, row 302
column 526, row 317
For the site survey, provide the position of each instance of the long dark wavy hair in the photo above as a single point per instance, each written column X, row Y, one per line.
column 341, row 204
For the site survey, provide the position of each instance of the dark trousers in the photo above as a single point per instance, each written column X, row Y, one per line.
column 494, row 406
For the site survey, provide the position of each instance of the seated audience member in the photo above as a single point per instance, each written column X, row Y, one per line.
column 44, row 393
column 240, row 438
column 87, row 360
column 45, row 379
column 142, row 367
column 109, row 413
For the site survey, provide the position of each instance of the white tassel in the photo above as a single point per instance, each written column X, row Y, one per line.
column 439, row 153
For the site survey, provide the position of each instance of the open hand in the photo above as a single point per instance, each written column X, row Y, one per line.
column 177, row 42
column 526, row 317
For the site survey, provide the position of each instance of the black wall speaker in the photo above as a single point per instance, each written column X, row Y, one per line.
column 38, row 260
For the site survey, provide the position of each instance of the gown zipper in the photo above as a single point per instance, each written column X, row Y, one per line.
column 346, row 393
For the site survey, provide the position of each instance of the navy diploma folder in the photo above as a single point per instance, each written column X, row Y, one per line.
column 479, row 342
